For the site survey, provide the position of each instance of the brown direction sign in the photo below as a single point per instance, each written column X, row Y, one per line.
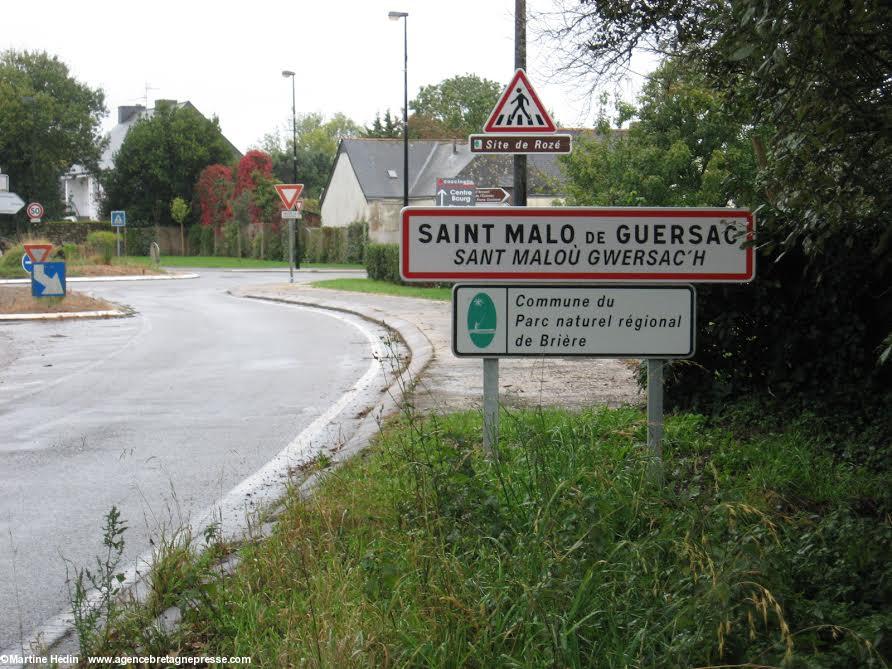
column 492, row 195
column 495, row 143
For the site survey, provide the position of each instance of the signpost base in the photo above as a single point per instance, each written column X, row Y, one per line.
column 655, row 420
column 490, row 407
column 291, row 250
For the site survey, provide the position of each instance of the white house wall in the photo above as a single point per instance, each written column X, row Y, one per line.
column 82, row 196
column 344, row 201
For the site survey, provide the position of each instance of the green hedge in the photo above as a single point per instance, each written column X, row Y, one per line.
column 382, row 262
column 58, row 232
column 136, row 237
column 103, row 243
column 357, row 241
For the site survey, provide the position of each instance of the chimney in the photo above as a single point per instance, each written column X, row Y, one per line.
column 126, row 113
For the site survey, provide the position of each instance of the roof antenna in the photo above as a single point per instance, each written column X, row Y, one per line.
column 146, row 96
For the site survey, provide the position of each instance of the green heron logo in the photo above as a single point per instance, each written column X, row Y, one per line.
column 482, row 320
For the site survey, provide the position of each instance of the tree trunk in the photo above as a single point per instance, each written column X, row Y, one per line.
column 182, row 239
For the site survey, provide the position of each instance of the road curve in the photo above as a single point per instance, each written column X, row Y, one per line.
column 159, row 415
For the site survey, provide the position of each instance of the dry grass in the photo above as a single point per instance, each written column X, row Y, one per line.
column 18, row 300
column 78, row 269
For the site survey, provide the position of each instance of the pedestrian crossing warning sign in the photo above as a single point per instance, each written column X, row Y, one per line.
column 519, row 109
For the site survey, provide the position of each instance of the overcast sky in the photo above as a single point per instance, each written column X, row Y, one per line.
column 227, row 58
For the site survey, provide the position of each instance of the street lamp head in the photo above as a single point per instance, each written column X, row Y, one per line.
column 396, row 16
column 287, row 73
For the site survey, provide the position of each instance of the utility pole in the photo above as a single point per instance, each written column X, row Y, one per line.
column 491, row 365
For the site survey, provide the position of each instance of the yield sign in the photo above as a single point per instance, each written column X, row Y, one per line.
column 38, row 252
column 519, row 109
column 289, row 193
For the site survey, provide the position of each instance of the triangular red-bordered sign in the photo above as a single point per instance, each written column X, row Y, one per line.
column 38, row 252
column 289, row 194
column 519, row 109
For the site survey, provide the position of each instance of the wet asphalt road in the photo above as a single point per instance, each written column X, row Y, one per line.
column 159, row 414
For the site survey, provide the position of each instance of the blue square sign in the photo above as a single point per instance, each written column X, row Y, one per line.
column 48, row 279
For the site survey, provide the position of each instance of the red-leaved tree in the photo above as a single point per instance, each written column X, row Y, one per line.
column 214, row 194
column 253, row 161
column 254, row 167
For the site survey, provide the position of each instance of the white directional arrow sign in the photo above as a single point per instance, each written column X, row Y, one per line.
column 10, row 203
column 51, row 286
column 441, row 194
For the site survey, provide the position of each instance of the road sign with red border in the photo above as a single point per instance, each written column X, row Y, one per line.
column 35, row 210
column 519, row 109
column 611, row 244
column 289, row 194
column 38, row 252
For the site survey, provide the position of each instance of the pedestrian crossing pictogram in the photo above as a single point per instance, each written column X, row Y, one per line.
column 519, row 109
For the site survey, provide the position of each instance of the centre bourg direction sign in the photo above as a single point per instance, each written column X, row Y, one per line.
column 631, row 244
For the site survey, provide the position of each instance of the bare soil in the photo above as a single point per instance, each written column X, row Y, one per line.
column 18, row 300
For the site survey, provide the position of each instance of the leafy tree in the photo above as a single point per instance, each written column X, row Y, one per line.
column 213, row 193
column 808, row 85
column 461, row 103
column 179, row 210
column 49, row 121
column 390, row 127
column 425, row 127
column 253, row 164
column 317, row 144
column 160, row 159
column 683, row 150
column 815, row 77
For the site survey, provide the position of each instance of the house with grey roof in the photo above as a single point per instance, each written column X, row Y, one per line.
column 366, row 180
column 81, row 189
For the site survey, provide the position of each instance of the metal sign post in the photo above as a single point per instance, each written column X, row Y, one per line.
column 655, row 420
column 118, row 221
column 291, row 251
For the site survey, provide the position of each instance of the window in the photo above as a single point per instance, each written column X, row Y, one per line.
column 391, row 174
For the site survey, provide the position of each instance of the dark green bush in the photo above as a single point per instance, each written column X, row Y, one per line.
column 810, row 334
column 193, row 240
column 206, row 241
column 357, row 239
column 274, row 246
column 138, row 238
column 382, row 262
column 104, row 244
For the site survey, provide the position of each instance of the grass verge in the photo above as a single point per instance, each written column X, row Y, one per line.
column 764, row 551
column 386, row 288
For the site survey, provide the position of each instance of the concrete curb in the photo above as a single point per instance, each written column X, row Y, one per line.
column 63, row 315
column 87, row 279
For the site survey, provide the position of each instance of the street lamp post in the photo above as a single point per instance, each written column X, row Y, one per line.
column 396, row 16
column 291, row 223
